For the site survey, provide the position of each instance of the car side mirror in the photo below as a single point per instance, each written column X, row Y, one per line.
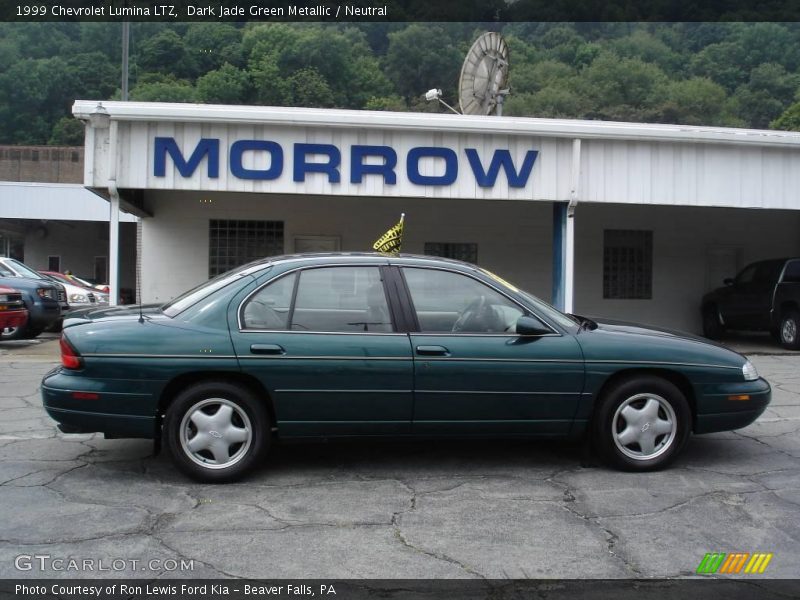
column 728, row 281
column 531, row 326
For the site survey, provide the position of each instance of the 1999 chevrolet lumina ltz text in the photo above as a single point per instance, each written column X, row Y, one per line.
column 341, row 345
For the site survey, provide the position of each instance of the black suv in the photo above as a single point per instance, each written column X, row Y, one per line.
column 764, row 296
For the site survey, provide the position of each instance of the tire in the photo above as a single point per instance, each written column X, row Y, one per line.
column 713, row 328
column 195, row 415
column 789, row 330
column 651, row 404
column 18, row 333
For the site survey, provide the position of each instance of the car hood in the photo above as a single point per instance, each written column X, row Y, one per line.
column 621, row 341
column 640, row 329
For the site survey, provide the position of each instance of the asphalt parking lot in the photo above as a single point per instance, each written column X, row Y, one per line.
column 392, row 510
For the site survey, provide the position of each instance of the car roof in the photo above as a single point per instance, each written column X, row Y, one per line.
column 360, row 257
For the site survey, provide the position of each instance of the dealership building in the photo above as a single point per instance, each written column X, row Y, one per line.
column 622, row 220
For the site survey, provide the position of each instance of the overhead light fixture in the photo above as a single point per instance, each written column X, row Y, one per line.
column 99, row 117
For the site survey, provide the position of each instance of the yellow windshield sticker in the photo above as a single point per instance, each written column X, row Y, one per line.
column 501, row 280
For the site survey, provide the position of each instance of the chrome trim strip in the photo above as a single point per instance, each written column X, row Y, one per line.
column 344, row 391
column 495, row 393
column 99, row 355
column 520, row 360
column 321, row 332
column 284, row 357
column 507, row 335
column 658, row 362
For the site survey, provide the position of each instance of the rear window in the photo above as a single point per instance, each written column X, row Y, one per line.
column 195, row 295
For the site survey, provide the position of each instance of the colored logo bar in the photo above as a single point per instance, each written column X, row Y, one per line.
column 734, row 563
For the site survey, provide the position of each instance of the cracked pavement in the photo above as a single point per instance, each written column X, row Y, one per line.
column 456, row 509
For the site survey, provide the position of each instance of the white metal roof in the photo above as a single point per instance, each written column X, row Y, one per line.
column 53, row 202
column 415, row 121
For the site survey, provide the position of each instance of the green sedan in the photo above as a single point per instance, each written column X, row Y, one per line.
column 343, row 345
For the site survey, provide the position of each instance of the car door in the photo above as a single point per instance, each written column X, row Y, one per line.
column 748, row 304
column 473, row 374
column 322, row 341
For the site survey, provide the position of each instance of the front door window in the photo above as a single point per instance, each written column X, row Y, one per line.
column 451, row 302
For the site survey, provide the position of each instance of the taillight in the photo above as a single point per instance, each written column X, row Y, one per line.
column 69, row 356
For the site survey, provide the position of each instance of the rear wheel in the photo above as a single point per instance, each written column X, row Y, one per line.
column 216, row 431
column 713, row 328
column 641, row 424
column 789, row 330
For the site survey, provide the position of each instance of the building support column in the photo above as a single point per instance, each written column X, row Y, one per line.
column 113, row 221
column 113, row 248
column 564, row 239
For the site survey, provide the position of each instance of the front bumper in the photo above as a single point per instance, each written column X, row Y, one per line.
column 717, row 411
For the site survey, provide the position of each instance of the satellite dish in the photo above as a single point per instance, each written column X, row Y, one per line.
column 482, row 85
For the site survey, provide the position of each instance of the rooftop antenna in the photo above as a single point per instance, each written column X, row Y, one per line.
column 482, row 87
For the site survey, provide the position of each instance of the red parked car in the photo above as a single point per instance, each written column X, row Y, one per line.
column 12, row 309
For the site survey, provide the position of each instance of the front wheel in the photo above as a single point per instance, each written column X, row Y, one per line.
column 789, row 330
column 641, row 424
column 216, row 431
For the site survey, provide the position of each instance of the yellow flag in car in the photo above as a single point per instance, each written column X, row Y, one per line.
column 391, row 241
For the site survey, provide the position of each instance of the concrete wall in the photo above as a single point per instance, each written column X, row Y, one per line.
column 514, row 240
column 685, row 243
column 78, row 242
column 45, row 164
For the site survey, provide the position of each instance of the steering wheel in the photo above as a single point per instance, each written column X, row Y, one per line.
column 473, row 309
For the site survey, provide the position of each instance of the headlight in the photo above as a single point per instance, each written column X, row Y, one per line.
column 78, row 298
column 4, row 298
column 46, row 293
column 749, row 371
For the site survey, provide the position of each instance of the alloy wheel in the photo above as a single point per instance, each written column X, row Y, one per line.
column 644, row 426
column 215, row 433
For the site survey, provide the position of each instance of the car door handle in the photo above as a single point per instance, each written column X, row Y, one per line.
column 432, row 351
column 266, row 349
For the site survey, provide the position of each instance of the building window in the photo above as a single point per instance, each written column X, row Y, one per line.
column 466, row 252
column 54, row 263
column 234, row 243
column 627, row 264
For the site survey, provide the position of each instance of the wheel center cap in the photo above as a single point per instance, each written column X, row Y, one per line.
column 215, row 434
column 645, row 427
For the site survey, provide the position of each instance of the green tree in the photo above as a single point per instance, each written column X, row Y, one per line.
column 226, row 85
column 696, row 101
column 308, row 87
column 163, row 89
column 68, row 131
column 420, row 57
column 165, row 53
column 211, row 45
column 789, row 119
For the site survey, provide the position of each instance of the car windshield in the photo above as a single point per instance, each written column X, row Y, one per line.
column 79, row 281
column 23, row 269
column 540, row 305
column 193, row 296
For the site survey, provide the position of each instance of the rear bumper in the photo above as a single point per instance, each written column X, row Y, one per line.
column 109, row 413
column 721, row 413
column 13, row 318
